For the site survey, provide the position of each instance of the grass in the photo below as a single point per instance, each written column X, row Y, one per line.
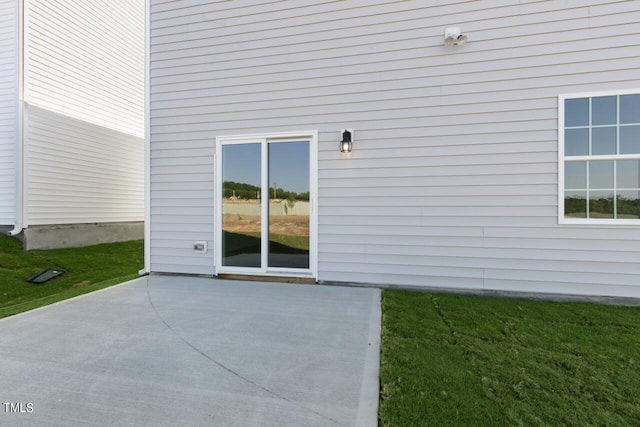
column 446, row 359
column 239, row 243
column 86, row 269
column 473, row 361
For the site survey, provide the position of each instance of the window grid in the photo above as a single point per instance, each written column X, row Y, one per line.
column 590, row 158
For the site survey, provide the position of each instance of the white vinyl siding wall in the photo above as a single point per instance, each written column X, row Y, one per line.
column 454, row 171
column 80, row 172
column 8, row 109
column 84, row 129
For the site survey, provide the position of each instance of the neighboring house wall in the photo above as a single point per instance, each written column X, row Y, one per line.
column 84, row 118
column 453, row 178
column 80, row 172
column 8, row 109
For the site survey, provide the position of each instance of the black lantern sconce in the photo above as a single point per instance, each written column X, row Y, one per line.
column 347, row 140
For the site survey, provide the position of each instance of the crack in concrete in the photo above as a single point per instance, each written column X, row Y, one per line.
column 229, row 370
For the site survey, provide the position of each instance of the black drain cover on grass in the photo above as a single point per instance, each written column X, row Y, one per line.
column 45, row 275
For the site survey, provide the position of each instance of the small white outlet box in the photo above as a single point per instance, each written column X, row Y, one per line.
column 200, row 247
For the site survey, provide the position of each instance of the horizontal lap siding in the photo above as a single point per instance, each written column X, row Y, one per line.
column 84, row 128
column 80, row 172
column 8, row 109
column 86, row 60
column 182, row 204
column 453, row 177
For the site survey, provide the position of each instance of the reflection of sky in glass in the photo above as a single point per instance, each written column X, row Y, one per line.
column 241, row 163
column 629, row 195
column 603, row 140
column 604, row 110
column 601, row 174
column 576, row 194
column 576, row 142
column 575, row 175
column 613, row 130
column 630, row 109
column 629, row 139
column 576, row 112
column 289, row 166
column 628, row 173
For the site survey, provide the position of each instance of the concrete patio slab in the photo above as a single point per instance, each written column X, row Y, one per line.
column 185, row 351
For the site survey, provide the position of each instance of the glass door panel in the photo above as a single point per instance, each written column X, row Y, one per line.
column 289, row 189
column 241, row 205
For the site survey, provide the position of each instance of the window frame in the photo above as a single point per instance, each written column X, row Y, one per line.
column 562, row 159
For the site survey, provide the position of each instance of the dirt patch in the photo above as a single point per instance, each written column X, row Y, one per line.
column 81, row 284
column 243, row 216
column 292, row 225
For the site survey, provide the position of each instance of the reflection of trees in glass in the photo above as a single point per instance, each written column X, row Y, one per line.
column 625, row 207
column 603, row 205
column 288, row 195
column 629, row 208
column 248, row 191
column 240, row 190
column 291, row 200
column 575, row 206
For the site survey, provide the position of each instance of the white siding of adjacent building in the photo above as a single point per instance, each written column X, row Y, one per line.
column 84, row 128
column 8, row 109
column 453, row 177
column 81, row 172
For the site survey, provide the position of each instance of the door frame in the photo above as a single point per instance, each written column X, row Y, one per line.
column 264, row 139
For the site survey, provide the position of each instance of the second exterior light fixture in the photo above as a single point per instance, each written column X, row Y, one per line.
column 347, row 140
column 453, row 37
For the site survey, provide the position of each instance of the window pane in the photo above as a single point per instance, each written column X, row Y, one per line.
column 289, row 204
column 630, row 109
column 628, row 173
column 601, row 174
column 604, row 110
column 241, row 211
column 575, row 175
column 576, row 142
column 629, row 139
column 575, row 204
column 601, row 204
column 576, row 112
column 603, row 141
column 629, row 204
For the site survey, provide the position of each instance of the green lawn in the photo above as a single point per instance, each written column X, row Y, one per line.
column 247, row 242
column 86, row 269
column 467, row 361
column 446, row 359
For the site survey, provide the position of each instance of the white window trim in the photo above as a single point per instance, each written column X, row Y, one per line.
column 312, row 137
column 561, row 161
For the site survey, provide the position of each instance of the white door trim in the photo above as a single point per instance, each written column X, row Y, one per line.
column 264, row 140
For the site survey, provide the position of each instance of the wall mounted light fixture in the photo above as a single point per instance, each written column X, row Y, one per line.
column 453, row 37
column 347, row 140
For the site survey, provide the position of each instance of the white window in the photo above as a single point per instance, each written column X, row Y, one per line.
column 599, row 158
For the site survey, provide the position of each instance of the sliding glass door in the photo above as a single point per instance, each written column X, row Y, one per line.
column 265, row 194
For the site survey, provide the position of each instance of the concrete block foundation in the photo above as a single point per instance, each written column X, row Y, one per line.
column 78, row 235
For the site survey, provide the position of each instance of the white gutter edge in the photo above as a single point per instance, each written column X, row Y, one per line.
column 147, row 146
column 19, row 223
column 19, row 204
